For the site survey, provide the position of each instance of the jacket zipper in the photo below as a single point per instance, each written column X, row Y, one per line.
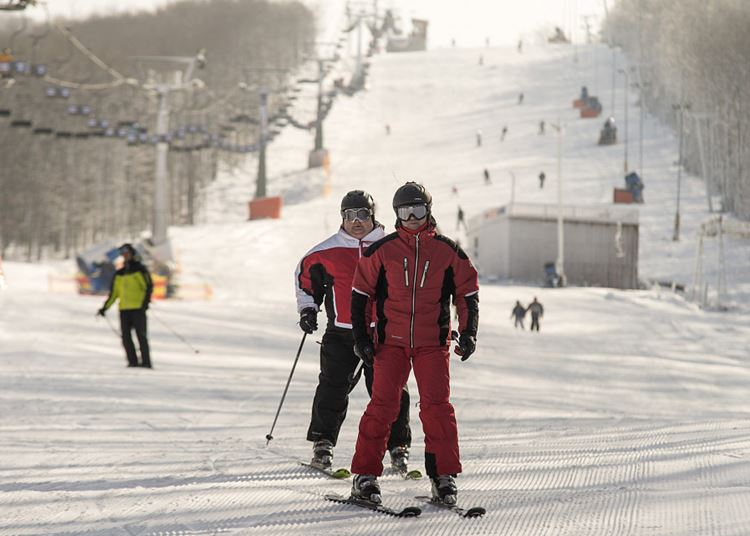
column 414, row 294
column 424, row 274
column 406, row 272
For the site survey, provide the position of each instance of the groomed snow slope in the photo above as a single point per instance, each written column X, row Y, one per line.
column 627, row 414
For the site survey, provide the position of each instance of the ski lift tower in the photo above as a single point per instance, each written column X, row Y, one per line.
column 183, row 81
column 319, row 156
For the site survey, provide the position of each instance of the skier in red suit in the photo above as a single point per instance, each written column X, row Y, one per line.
column 412, row 275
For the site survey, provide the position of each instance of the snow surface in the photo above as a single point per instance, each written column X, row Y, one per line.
column 627, row 414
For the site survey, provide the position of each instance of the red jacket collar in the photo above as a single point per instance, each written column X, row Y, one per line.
column 424, row 232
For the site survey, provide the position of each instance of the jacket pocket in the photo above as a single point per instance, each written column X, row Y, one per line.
column 424, row 273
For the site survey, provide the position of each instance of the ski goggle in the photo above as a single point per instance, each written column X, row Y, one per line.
column 356, row 214
column 408, row 212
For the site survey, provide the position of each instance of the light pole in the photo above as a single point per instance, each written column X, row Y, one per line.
column 625, row 92
column 681, row 107
column 642, row 115
column 560, row 263
column 614, row 76
column 642, row 104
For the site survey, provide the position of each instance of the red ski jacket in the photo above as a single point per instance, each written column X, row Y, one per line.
column 412, row 277
column 325, row 274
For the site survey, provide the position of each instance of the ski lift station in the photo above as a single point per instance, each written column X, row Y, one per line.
column 600, row 243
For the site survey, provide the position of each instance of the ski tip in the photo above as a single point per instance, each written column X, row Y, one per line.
column 342, row 472
column 476, row 511
column 414, row 474
column 410, row 511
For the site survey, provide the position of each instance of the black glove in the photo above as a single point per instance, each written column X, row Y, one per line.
column 466, row 345
column 308, row 320
column 365, row 350
column 101, row 311
column 144, row 307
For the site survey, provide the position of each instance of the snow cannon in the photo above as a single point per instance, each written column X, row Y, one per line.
column 591, row 108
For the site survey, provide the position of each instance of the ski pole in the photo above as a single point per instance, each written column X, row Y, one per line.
column 112, row 327
column 193, row 348
column 269, row 435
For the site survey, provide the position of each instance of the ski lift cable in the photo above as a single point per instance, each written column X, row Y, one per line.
column 119, row 79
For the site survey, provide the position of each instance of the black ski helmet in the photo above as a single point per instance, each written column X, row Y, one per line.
column 412, row 193
column 358, row 199
column 129, row 248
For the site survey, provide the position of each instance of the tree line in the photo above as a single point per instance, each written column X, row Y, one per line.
column 694, row 59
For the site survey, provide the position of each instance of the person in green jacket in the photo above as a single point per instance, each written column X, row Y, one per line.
column 132, row 286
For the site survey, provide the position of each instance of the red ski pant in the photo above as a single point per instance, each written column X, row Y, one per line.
column 431, row 370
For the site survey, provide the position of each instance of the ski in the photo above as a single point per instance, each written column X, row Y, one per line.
column 339, row 473
column 474, row 511
column 414, row 474
column 409, row 511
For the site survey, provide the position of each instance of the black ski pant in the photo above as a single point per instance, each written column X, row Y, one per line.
column 534, row 322
column 135, row 319
column 337, row 364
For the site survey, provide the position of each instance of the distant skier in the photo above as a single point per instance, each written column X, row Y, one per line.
column 132, row 286
column 541, row 127
column 412, row 276
column 481, row 59
column 519, row 47
column 454, row 190
column 324, row 278
column 520, row 98
column 487, row 180
column 479, row 138
column 519, row 313
column 461, row 220
column 504, row 133
column 542, row 176
column 537, row 311
column 387, row 130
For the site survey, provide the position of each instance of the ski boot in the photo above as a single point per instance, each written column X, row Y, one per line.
column 322, row 453
column 444, row 489
column 366, row 488
column 400, row 459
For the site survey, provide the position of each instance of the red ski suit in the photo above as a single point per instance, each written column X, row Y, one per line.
column 412, row 276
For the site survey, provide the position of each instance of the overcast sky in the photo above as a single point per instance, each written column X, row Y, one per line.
column 470, row 22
